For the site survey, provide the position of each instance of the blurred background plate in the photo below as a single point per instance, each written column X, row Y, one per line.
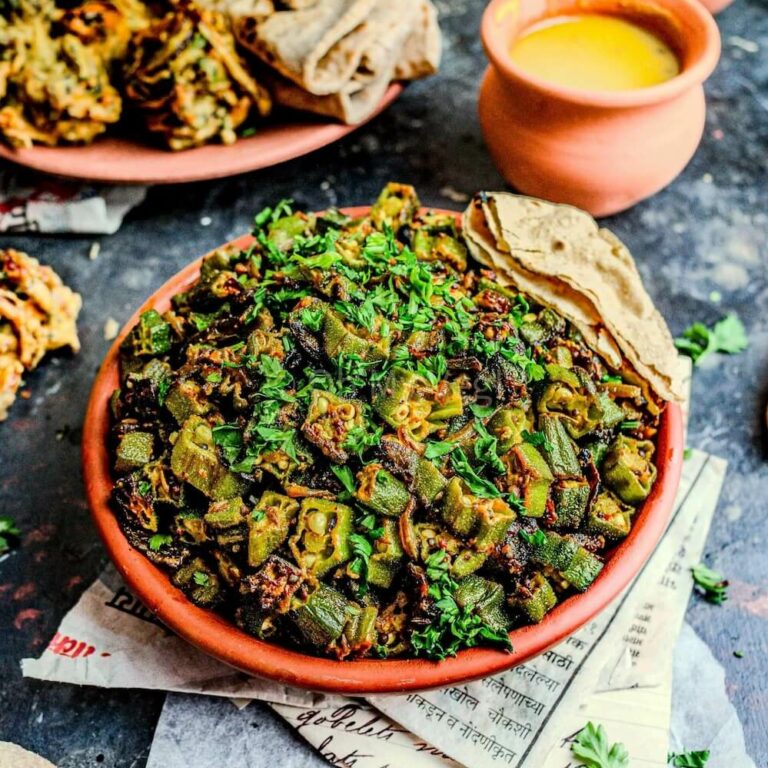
column 118, row 160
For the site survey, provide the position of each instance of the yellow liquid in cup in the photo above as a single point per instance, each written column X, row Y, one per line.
column 596, row 53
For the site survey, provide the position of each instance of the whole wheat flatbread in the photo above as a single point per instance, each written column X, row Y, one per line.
column 318, row 48
column 559, row 256
column 14, row 756
column 390, row 23
column 421, row 53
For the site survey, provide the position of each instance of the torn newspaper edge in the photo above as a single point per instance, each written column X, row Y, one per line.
column 45, row 205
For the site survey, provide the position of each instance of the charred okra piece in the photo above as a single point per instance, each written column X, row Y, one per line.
column 572, row 395
column 329, row 421
column 422, row 477
column 486, row 599
column 628, row 469
column 609, row 517
column 529, row 475
column 321, row 540
column 199, row 582
column 507, row 426
column 543, row 327
column 150, row 336
column 195, row 460
column 558, row 449
column 134, row 450
column 225, row 520
column 276, row 588
column 322, row 618
column 396, row 205
column 381, row 491
column 571, row 498
column 534, row 597
column 185, row 398
column 387, row 556
column 436, row 239
column 269, row 525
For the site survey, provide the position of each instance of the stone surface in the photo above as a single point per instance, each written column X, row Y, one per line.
column 706, row 233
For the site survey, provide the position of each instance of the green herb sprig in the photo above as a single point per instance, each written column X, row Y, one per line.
column 592, row 749
column 727, row 335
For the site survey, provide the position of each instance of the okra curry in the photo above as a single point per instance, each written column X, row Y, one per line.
column 351, row 442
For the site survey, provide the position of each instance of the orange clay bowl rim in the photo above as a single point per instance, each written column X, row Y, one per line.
column 693, row 73
column 223, row 640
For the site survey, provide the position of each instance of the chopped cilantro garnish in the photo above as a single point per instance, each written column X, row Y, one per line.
column 537, row 439
column 536, row 539
column 9, row 532
column 347, row 479
column 200, row 578
column 160, row 540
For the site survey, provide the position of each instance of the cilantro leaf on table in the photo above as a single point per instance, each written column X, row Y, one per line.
column 8, row 530
column 593, row 750
column 697, row 759
column 727, row 335
column 712, row 585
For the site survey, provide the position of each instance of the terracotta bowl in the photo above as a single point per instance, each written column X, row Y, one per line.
column 223, row 640
column 599, row 150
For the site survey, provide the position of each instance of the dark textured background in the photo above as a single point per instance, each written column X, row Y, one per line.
column 705, row 233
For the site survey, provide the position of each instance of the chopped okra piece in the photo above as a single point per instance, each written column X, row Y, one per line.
column 195, row 460
column 225, row 520
column 283, row 232
column 558, row 449
column 396, row 205
column 534, row 597
column 421, row 476
column 322, row 618
column 530, row 478
column 321, row 540
column 381, row 491
column 629, row 470
column 405, row 400
column 269, row 525
column 486, row 599
column 609, row 517
column 338, row 338
column 435, row 239
column 134, row 450
column 508, row 425
column 199, row 582
column 276, row 588
column 572, row 395
column 150, row 336
column 329, row 421
column 571, row 498
column 577, row 566
column 360, row 630
column 387, row 556
column 543, row 327
column 185, row 398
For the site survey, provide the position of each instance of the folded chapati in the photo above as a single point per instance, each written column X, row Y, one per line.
column 421, row 53
column 389, row 26
column 560, row 257
column 319, row 48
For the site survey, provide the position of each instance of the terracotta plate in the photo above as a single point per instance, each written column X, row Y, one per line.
column 117, row 160
column 223, row 640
